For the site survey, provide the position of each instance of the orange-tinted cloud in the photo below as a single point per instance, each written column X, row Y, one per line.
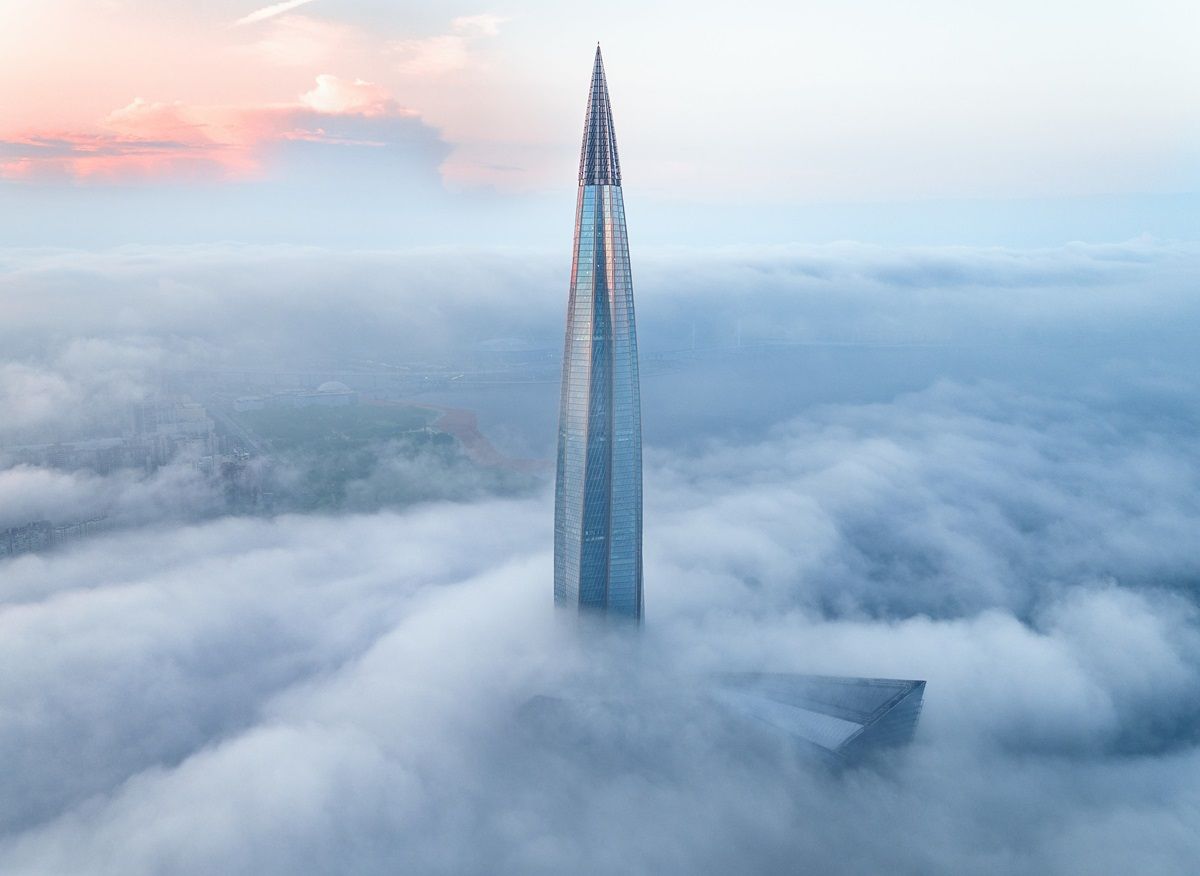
column 176, row 140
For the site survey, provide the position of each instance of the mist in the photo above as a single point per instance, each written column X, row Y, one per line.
column 973, row 466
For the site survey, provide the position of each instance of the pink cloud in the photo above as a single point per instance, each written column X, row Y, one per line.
column 160, row 121
column 116, row 155
column 176, row 140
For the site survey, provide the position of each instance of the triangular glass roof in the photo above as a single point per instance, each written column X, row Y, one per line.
column 598, row 164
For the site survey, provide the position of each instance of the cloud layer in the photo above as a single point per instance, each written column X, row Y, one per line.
column 316, row 694
column 975, row 467
column 89, row 331
column 966, row 296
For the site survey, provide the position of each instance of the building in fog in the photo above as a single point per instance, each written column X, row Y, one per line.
column 598, row 527
column 624, row 722
column 166, row 428
column 158, row 431
column 839, row 720
column 598, row 494
column 42, row 535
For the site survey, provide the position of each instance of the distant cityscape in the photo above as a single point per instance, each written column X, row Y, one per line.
column 233, row 426
column 202, row 418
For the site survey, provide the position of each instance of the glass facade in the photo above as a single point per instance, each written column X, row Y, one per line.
column 598, row 495
column 843, row 720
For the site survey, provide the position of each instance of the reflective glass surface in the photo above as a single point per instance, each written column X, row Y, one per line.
column 598, row 496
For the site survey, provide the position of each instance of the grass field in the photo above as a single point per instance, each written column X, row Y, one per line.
column 326, row 452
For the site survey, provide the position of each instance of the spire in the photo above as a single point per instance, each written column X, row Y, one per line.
column 598, row 163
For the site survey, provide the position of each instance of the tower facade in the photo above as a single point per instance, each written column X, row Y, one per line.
column 598, row 490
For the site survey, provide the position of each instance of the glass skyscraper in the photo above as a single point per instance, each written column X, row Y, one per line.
column 598, row 495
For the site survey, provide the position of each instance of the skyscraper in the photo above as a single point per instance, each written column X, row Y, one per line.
column 598, row 495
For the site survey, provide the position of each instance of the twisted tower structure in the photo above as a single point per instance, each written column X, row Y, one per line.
column 598, row 494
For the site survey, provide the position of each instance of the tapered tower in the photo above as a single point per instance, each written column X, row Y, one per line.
column 598, row 495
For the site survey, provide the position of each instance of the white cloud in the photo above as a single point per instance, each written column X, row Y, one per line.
column 443, row 54
column 304, row 42
column 271, row 11
column 484, row 24
column 332, row 94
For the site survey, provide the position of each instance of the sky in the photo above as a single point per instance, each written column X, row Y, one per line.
column 916, row 301
column 294, row 122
